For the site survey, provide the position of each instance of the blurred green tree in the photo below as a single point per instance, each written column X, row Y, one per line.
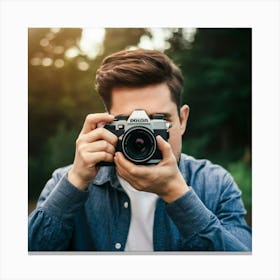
column 217, row 70
column 61, row 93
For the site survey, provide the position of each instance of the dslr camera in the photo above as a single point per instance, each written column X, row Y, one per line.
column 137, row 136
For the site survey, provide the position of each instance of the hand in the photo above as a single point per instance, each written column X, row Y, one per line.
column 163, row 179
column 94, row 144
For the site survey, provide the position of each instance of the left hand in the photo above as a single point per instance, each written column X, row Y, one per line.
column 163, row 179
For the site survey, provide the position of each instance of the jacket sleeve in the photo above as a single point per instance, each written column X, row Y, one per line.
column 205, row 230
column 50, row 225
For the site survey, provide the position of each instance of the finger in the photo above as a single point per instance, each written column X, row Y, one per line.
column 92, row 159
column 101, row 134
column 101, row 146
column 131, row 168
column 122, row 172
column 164, row 147
column 92, row 120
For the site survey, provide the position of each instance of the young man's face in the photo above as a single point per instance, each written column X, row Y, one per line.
column 153, row 99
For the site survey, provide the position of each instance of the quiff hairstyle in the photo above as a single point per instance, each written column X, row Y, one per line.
column 138, row 68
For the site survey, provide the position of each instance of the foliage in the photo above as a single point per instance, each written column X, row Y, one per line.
column 217, row 70
column 242, row 173
column 243, row 177
column 60, row 94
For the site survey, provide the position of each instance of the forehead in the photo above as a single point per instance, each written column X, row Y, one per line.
column 152, row 99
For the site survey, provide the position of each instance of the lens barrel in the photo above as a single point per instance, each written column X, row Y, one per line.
column 139, row 144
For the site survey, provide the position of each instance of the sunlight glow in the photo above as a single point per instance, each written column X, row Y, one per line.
column 58, row 50
column 44, row 42
column 189, row 34
column 92, row 41
column 91, row 45
column 72, row 52
column 55, row 30
column 47, row 61
column 158, row 40
column 83, row 65
column 160, row 36
column 36, row 61
column 59, row 63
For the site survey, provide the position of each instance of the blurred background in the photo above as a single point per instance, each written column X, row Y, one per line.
column 216, row 63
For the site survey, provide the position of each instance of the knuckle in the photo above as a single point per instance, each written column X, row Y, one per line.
column 89, row 117
column 99, row 132
column 94, row 134
column 105, row 145
column 109, row 157
column 114, row 138
column 109, row 148
column 78, row 141
column 133, row 171
column 81, row 148
column 103, row 154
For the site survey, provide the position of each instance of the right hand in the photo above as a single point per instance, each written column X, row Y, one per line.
column 94, row 144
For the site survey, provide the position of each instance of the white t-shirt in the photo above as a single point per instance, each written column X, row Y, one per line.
column 143, row 204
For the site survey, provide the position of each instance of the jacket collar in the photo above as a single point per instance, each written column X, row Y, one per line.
column 107, row 174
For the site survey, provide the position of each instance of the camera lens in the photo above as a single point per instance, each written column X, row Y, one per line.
column 139, row 144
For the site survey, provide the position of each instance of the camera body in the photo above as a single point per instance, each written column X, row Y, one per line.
column 137, row 136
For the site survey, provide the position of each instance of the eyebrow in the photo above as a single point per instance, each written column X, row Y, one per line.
column 166, row 115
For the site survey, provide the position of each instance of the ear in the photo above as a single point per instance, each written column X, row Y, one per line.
column 184, row 115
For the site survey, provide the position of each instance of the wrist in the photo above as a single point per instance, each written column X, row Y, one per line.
column 175, row 190
column 76, row 181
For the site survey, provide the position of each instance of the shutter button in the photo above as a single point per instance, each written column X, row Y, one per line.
column 118, row 246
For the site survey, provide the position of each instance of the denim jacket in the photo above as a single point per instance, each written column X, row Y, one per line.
column 209, row 217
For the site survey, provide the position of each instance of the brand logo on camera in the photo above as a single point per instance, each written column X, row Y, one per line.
column 138, row 120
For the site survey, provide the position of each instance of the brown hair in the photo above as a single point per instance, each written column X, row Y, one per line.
column 138, row 68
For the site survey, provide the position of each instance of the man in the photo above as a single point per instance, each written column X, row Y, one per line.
column 178, row 204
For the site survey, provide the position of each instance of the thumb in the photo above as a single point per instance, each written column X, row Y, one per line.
column 164, row 147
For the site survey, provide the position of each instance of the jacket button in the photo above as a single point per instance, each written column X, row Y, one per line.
column 118, row 246
column 125, row 204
